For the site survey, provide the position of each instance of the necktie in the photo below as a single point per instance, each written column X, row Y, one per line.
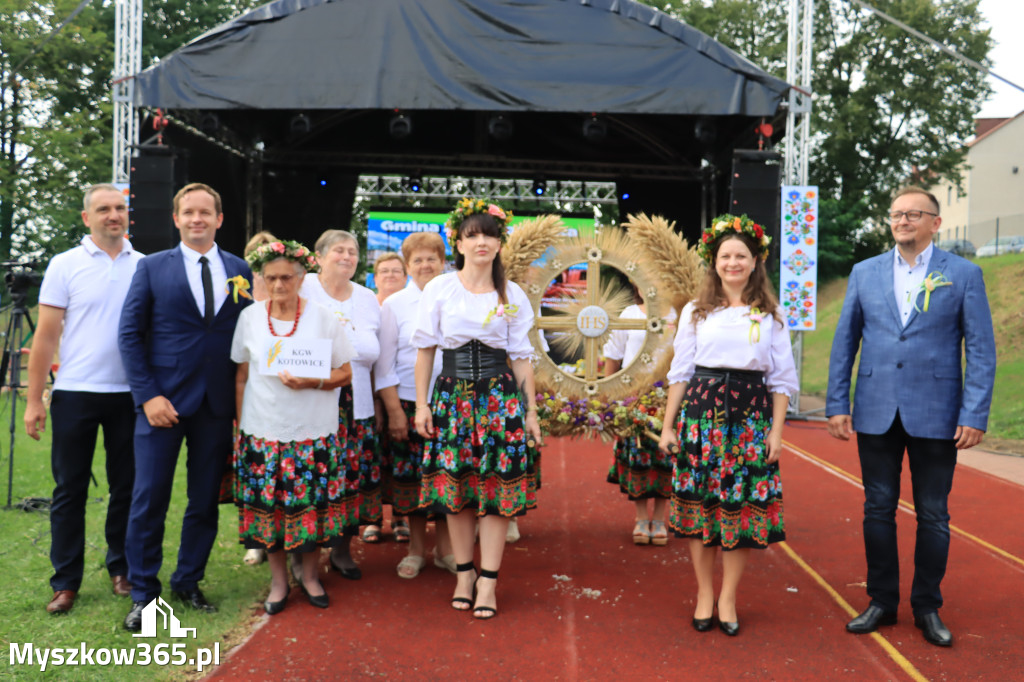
column 207, row 290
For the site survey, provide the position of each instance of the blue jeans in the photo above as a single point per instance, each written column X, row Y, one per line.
column 932, row 462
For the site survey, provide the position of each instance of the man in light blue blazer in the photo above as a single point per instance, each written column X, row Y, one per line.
column 175, row 340
column 914, row 312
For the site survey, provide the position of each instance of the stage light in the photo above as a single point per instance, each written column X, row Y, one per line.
column 209, row 123
column 540, row 186
column 594, row 129
column 323, row 183
column 625, row 196
column 299, row 124
column 705, row 131
column 400, row 126
column 500, row 127
column 415, row 183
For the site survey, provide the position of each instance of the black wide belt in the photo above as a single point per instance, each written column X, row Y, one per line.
column 473, row 361
column 726, row 373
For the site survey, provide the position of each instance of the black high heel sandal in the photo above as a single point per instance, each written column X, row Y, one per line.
column 485, row 612
column 705, row 624
column 468, row 601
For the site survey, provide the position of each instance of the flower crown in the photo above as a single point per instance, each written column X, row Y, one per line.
column 730, row 223
column 291, row 250
column 467, row 207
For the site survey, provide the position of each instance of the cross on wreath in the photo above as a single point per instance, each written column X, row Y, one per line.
column 592, row 322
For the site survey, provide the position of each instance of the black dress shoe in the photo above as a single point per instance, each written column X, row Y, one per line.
column 353, row 573
column 133, row 621
column 934, row 629
column 731, row 629
column 870, row 620
column 275, row 607
column 320, row 601
column 196, row 599
column 703, row 624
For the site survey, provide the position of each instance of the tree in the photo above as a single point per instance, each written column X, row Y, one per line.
column 52, row 114
column 888, row 108
column 55, row 110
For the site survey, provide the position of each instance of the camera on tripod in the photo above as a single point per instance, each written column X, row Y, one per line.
column 19, row 278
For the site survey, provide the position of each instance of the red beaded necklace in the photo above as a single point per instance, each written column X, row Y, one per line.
column 298, row 314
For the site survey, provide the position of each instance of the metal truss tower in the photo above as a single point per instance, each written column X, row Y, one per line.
column 127, row 63
column 798, row 74
column 798, row 126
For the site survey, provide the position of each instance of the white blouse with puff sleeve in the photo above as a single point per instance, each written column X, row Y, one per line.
column 450, row 316
column 724, row 339
column 360, row 318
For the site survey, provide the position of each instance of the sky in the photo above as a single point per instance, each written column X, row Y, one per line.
column 1006, row 18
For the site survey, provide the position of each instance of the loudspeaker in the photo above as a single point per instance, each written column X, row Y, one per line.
column 151, row 224
column 755, row 189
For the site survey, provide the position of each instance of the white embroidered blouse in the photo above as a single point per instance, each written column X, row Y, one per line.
column 450, row 316
column 397, row 358
column 270, row 409
column 729, row 338
column 360, row 317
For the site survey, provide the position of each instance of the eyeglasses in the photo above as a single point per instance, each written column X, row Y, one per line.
column 912, row 216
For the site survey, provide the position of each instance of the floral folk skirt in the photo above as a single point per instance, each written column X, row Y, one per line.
column 479, row 458
column 403, row 466
column 641, row 469
column 724, row 492
column 289, row 494
column 361, row 458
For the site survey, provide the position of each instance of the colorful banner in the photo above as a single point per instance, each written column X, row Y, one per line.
column 386, row 230
column 798, row 256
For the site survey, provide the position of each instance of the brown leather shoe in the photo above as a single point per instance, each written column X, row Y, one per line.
column 62, row 601
column 122, row 588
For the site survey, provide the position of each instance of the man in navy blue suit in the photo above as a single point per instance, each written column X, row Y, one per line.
column 913, row 311
column 175, row 340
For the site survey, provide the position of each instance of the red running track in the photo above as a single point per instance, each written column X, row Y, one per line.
column 578, row 601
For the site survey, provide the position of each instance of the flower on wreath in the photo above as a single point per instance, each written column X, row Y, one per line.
column 655, row 325
column 290, row 250
column 726, row 223
column 467, row 207
column 595, row 254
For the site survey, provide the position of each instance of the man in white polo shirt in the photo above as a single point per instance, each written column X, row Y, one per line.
column 80, row 304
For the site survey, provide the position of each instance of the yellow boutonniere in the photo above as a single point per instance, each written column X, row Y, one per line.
column 756, row 318
column 506, row 310
column 932, row 282
column 241, row 287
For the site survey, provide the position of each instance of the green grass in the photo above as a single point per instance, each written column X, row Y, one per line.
column 1004, row 282
column 96, row 619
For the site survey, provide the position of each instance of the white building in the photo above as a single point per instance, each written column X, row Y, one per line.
column 993, row 185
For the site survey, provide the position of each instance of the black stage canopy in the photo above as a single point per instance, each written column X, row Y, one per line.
column 309, row 88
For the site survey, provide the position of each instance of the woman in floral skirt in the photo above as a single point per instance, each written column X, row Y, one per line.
column 396, row 387
column 287, row 470
column 734, row 365
column 641, row 470
column 337, row 254
column 476, row 461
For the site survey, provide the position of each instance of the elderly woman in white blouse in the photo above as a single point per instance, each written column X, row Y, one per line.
column 286, row 463
column 337, row 253
column 734, row 365
column 396, row 387
column 478, row 418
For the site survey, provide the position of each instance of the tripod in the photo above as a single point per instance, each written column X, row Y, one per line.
column 13, row 340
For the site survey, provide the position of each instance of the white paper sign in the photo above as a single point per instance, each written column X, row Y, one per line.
column 307, row 358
